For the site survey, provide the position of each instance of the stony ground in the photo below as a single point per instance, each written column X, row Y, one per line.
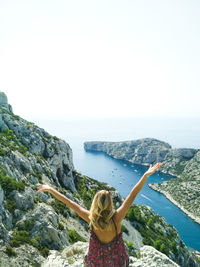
column 73, row 256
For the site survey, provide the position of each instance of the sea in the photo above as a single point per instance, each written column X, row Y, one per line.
column 178, row 132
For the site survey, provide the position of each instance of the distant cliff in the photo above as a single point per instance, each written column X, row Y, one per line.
column 142, row 151
column 36, row 228
column 183, row 163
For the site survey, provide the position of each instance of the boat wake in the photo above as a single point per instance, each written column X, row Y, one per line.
column 146, row 197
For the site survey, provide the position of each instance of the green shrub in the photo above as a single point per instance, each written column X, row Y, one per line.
column 10, row 251
column 157, row 244
column 124, row 229
column 44, row 251
column 130, row 248
column 38, row 175
column 134, row 213
column 138, row 255
column 22, row 149
column 37, row 199
column 71, row 261
column 161, row 246
column 3, row 152
column 26, row 225
column 10, row 205
column 164, row 249
column 173, row 246
column 9, row 184
column 28, row 125
column 74, row 237
column 22, row 237
column 61, row 226
column 130, row 245
column 60, row 207
column 150, row 222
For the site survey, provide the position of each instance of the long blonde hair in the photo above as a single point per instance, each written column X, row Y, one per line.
column 101, row 210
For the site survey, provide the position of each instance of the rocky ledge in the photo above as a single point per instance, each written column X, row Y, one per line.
column 183, row 163
column 73, row 256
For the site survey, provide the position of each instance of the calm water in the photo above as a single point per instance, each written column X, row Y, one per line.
column 123, row 175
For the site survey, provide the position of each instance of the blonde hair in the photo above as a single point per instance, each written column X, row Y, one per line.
column 102, row 210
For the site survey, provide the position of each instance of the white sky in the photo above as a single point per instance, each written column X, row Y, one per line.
column 100, row 58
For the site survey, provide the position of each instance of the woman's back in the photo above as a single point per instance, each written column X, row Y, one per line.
column 107, row 235
column 106, row 249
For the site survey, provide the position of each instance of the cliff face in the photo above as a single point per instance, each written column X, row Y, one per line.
column 35, row 227
column 146, row 151
column 143, row 151
column 32, row 150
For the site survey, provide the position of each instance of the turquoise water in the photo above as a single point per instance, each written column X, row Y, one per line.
column 122, row 175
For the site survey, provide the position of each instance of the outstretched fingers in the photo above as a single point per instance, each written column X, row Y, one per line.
column 158, row 165
column 43, row 187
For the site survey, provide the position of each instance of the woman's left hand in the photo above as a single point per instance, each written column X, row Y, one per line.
column 43, row 187
column 153, row 169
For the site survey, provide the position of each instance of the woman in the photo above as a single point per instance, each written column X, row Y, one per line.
column 106, row 246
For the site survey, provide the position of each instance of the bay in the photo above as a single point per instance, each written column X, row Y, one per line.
column 122, row 175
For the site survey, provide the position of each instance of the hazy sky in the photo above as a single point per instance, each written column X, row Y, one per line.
column 100, row 58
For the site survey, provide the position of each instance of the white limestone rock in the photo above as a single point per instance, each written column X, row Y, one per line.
column 4, row 102
column 3, row 234
column 46, row 226
column 70, row 256
column 26, row 256
column 1, row 196
column 24, row 200
column 150, row 257
column 74, row 254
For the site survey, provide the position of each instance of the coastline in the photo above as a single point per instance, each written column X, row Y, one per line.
column 168, row 196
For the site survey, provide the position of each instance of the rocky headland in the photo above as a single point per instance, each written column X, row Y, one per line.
column 183, row 163
column 37, row 230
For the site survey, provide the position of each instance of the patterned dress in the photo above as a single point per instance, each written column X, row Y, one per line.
column 112, row 254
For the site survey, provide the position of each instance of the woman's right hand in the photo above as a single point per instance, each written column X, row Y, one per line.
column 43, row 187
column 153, row 169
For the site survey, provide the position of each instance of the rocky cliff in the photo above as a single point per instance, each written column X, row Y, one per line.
column 146, row 151
column 182, row 163
column 37, row 230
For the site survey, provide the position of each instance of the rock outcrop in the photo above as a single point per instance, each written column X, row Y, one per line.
column 73, row 256
column 45, row 153
column 150, row 257
column 4, row 102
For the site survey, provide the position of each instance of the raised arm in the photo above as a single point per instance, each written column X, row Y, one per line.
column 123, row 209
column 83, row 213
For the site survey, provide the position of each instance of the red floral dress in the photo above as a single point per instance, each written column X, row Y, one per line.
column 112, row 254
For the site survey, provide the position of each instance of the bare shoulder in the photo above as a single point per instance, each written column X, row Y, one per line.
column 116, row 217
column 117, row 221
